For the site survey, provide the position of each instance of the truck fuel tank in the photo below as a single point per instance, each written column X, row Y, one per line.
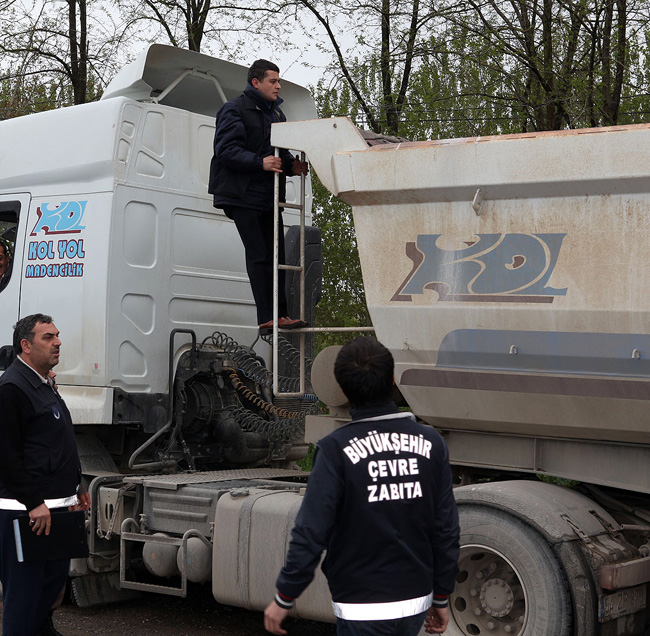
column 249, row 549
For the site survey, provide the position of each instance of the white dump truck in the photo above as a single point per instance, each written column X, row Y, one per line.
column 507, row 275
column 509, row 278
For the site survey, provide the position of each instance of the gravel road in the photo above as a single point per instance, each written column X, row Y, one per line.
column 157, row 615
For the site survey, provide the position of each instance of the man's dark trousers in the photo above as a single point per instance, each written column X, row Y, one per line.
column 407, row 626
column 23, row 613
column 255, row 228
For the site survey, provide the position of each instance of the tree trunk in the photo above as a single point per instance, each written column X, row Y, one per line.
column 78, row 47
column 392, row 121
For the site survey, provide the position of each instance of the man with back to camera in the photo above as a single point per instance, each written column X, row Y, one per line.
column 379, row 500
column 39, row 471
column 242, row 182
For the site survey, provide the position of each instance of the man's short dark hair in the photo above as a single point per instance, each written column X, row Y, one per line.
column 24, row 329
column 259, row 68
column 364, row 370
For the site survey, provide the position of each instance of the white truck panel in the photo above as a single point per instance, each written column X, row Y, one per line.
column 65, row 267
column 91, row 405
column 59, row 160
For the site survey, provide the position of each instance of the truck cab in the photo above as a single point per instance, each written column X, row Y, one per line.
column 113, row 233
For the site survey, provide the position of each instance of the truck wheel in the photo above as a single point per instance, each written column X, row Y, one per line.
column 509, row 583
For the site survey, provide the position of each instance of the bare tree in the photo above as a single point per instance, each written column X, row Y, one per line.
column 222, row 28
column 564, row 61
column 51, row 41
column 549, row 63
column 389, row 38
column 182, row 21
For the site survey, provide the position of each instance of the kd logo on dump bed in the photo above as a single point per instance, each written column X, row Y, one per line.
column 491, row 268
column 65, row 218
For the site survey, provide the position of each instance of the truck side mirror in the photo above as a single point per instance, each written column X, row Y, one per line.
column 7, row 356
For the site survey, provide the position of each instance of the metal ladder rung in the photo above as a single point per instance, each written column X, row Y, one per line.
column 291, row 268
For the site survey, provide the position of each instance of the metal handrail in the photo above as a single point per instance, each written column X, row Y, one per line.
column 276, row 279
column 294, row 268
column 179, row 78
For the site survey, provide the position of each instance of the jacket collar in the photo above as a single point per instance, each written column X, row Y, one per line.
column 388, row 408
column 258, row 101
column 30, row 374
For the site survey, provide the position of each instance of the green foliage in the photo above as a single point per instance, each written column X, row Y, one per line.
column 494, row 67
column 457, row 93
column 24, row 95
column 635, row 98
column 307, row 463
column 559, row 481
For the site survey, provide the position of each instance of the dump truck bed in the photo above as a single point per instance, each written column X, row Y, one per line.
column 508, row 275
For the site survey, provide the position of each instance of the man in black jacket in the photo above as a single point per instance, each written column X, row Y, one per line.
column 39, row 471
column 241, row 180
column 379, row 500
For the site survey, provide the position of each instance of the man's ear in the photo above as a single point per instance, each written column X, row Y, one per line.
column 255, row 82
column 26, row 346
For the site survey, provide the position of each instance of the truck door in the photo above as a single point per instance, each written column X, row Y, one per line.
column 13, row 220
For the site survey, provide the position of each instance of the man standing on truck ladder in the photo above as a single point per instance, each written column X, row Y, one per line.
column 39, row 471
column 242, row 182
column 379, row 500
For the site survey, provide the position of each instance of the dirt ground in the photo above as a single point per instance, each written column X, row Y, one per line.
column 157, row 615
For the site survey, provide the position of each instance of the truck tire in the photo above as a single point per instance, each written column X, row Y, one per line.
column 509, row 583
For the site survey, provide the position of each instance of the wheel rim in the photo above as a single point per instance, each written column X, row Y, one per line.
column 489, row 597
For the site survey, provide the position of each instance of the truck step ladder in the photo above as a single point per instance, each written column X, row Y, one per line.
column 276, row 280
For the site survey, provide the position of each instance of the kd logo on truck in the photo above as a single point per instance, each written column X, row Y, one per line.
column 494, row 268
column 62, row 258
column 65, row 218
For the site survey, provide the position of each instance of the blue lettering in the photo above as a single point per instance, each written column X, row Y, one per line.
column 45, row 250
column 40, row 250
column 54, row 270
column 71, row 249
